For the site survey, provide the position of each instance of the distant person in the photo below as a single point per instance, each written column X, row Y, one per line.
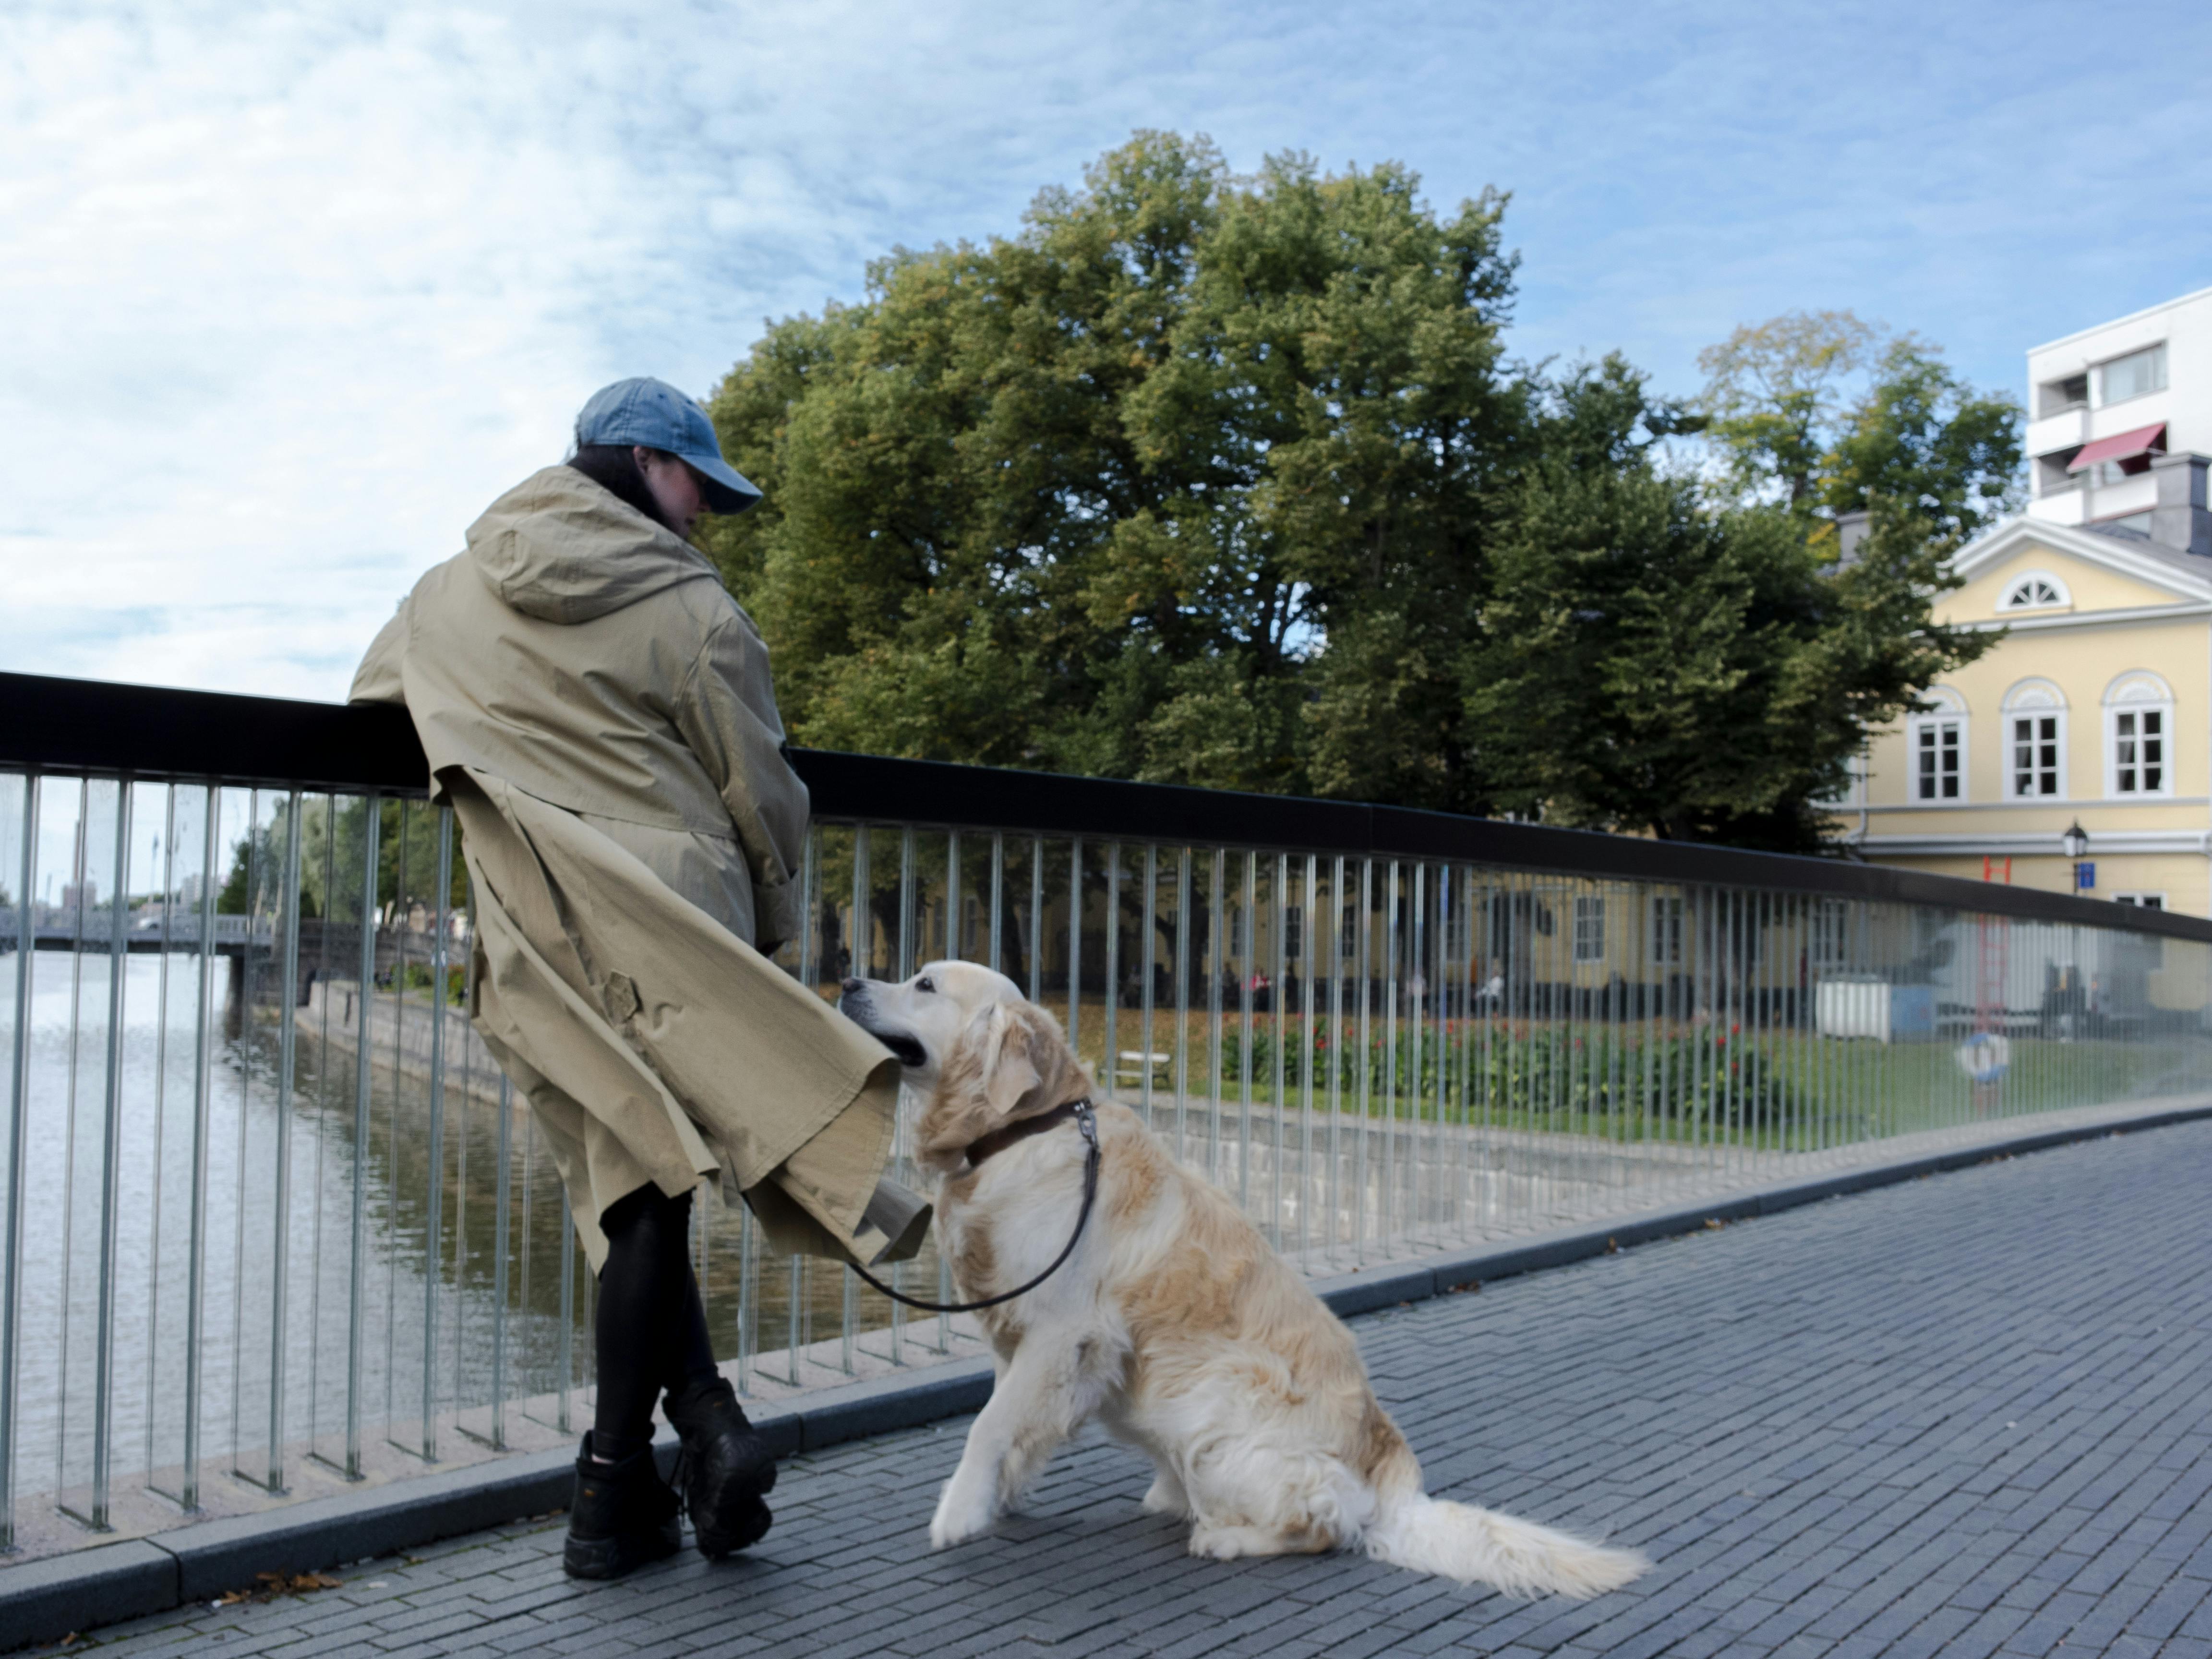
column 598, row 711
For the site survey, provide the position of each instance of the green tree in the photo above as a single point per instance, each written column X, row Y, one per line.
column 1094, row 497
column 1228, row 480
column 1649, row 659
column 1773, row 396
column 1647, row 663
column 1929, row 458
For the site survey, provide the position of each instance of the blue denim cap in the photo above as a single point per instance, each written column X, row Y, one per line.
column 654, row 413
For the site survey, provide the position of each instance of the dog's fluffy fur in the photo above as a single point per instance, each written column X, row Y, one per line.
column 1173, row 1322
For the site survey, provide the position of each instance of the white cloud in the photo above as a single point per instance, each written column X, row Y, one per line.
column 293, row 291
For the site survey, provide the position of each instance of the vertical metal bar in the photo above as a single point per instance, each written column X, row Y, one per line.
column 160, row 1120
column 907, row 898
column 1471, row 914
column 1365, row 1057
column 501, row 1197
column 322, row 1129
column 280, row 1243
column 118, row 933
column 997, row 956
column 1075, row 948
column 1386, row 1197
column 1246, row 953
column 255, row 875
column 435, row 1240
column 372, row 826
column 188, row 1491
column 1215, row 958
column 19, row 1108
column 1335, row 1041
column 78, row 876
column 998, row 905
column 1037, row 919
column 401, row 917
column 567, row 1312
column 906, row 902
column 810, row 968
column 1182, row 999
column 1279, row 993
column 1439, row 1004
column 529, row 1211
column 1148, row 955
column 1112, row 1057
column 1311, row 917
column 955, row 939
column 864, row 962
column 956, row 949
column 747, row 1273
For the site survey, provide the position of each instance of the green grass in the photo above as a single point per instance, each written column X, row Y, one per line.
column 1786, row 1090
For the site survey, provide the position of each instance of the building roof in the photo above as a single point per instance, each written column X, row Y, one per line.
column 2129, row 553
column 2115, row 322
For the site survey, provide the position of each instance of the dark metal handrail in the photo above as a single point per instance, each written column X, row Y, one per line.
column 146, row 732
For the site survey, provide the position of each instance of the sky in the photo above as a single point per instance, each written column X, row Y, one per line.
column 289, row 294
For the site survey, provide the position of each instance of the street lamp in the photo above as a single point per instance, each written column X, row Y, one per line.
column 2076, row 842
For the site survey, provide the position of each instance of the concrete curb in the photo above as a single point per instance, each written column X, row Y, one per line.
column 42, row 1601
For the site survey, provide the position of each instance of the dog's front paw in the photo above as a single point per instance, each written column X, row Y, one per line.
column 962, row 1514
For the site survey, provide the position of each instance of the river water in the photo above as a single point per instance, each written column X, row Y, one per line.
column 235, row 1119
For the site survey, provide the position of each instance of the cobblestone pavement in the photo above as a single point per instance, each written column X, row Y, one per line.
column 1966, row 1415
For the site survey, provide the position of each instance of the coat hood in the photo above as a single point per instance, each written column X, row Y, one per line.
column 562, row 549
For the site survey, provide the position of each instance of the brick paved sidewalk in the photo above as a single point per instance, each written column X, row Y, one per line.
column 1965, row 1415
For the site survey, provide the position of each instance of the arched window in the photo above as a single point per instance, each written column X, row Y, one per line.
column 2036, row 590
column 2138, row 737
column 2035, row 742
column 1937, row 743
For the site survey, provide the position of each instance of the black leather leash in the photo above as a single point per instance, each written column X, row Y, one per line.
column 1087, row 1121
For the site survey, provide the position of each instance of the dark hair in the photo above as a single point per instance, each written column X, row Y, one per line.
column 614, row 468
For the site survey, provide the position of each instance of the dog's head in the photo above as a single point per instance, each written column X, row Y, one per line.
column 982, row 1054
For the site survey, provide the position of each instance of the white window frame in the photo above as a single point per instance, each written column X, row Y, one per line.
column 2024, row 584
column 2035, row 700
column 1590, row 927
column 2147, row 901
column 2104, row 400
column 1949, row 714
column 2136, row 694
column 1665, row 914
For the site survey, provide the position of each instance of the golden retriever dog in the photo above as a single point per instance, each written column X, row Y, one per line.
column 1173, row 1321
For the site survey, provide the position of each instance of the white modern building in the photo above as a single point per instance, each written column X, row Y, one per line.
column 2111, row 410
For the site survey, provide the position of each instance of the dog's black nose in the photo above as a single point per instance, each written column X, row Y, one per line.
column 849, row 986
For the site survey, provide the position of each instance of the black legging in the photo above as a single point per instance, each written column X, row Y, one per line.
column 651, row 1331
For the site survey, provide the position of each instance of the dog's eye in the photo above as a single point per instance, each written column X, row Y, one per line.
column 924, row 984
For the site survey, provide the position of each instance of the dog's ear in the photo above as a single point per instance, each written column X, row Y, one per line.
column 1009, row 1069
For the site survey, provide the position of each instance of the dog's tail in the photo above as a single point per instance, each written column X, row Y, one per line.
column 1457, row 1540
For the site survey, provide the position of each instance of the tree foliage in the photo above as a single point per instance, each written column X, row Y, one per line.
column 1229, row 480
column 1092, row 497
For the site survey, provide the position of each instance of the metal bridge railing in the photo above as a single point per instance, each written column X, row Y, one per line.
column 264, row 1199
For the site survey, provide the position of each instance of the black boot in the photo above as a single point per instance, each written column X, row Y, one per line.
column 725, row 1468
column 623, row 1516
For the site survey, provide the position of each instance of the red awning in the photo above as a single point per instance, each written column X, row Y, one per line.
column 2123, row 447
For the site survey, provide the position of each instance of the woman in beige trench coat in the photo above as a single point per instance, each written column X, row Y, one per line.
column 596, row 710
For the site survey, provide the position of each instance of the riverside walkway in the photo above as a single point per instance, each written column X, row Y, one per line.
column 1967, row 1415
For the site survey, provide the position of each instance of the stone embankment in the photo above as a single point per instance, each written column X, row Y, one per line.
column 401, row 1031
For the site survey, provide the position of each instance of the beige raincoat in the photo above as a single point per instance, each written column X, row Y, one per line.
column 597, row 709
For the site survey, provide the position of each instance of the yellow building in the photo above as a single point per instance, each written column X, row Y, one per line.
column 2095, row 710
